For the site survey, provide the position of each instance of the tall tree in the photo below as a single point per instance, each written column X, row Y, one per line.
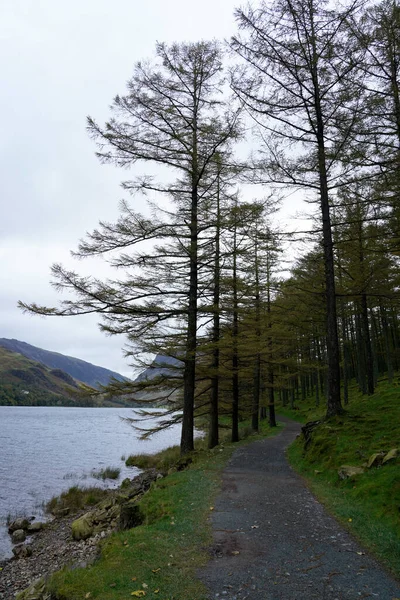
column 172, row 116
column 299, row 84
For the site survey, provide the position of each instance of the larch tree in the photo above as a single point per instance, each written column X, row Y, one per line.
column 174, row 116
column 301, row 86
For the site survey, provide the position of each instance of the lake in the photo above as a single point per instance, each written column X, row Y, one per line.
column 46, row 450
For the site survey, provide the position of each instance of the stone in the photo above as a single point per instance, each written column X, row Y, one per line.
column 21, row 523
column 348, row 471
column 22, row 551
column 18, row 536
column 36, row 591
column 82, row 528
column 375, row 460
column 61, row 512
column 35, row 527
column 393, row 453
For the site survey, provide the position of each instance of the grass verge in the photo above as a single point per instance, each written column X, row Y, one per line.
column 368, row 504
column 159, row 559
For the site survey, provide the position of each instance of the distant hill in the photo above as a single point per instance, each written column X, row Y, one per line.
column 81, row 370
column 161, row 365
column 24, row 382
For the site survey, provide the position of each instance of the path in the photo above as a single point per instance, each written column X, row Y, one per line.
column 273, row 540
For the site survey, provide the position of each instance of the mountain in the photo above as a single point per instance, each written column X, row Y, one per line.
column 161, row 365
column 24, row 382
column 81, row 370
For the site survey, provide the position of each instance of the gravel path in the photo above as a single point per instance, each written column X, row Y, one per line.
column 273, row 540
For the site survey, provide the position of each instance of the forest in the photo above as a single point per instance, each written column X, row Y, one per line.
column 302, row 106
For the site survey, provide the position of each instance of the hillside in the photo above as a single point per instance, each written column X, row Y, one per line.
column 24, row 382
column 161, row 365
column 81, row 370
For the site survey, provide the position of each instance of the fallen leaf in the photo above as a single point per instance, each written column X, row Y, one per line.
column 350, row 520
column 211, row 508
column 235, row 552
column 362, row 554
column 138, row 594
column 156, row 591
column 144, row 585
column 88, row 595
column 133, row 578
column 255, row 526
column 156, row 570
column 113, row 585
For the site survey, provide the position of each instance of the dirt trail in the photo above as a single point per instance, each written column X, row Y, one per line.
column 273, row 540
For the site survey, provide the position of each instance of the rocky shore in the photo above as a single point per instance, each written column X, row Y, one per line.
column 72, row 540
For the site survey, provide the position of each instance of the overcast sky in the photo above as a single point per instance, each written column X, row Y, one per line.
column 61, row 61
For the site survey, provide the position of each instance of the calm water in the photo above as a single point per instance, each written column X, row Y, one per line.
column 46, row 450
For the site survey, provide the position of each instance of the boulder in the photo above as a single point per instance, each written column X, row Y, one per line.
column 35, row 527
column 22, row 551
column 18, row 536
column 393, row 453
column 307, row 431
column 21, row 523
column 82, row 528
column 348, row 471
column 60, row 512
column 36, row 591
column 375, row 460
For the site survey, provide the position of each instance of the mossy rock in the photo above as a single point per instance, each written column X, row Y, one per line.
column 393, row 453
column 375, row 460
column 82, row 528
column 36, row 591
column 348, row 471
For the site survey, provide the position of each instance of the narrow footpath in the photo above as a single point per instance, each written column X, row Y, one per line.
column 273, row 540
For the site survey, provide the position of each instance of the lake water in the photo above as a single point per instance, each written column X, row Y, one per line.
column 46, row 450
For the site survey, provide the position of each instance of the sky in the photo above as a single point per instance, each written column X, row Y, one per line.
column 61, row 61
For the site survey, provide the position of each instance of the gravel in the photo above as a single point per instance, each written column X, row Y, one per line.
column 273, row 540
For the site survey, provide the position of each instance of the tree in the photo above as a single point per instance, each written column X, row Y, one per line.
column 173, row 116
column 300, row 85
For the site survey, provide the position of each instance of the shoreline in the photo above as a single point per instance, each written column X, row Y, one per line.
column 53, row 547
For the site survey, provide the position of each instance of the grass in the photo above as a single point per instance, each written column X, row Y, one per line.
column 76, row 498
column 369, row 505
column 107, row 473
column 161, row 556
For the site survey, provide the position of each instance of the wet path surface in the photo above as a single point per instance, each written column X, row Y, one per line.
column 273, row 540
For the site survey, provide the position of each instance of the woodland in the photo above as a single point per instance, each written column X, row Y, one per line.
column 206, row 275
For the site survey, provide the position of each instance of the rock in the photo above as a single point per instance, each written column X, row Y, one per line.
column 393, row 453
column 21, row 523
column 36, row 591
column 82, row 528
column 347, row 471
column 130, row 515
column 35, row 527
column 22, row 551
column 307, row 430
column 61, row 512
column 375, row 460
column 18, row 536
